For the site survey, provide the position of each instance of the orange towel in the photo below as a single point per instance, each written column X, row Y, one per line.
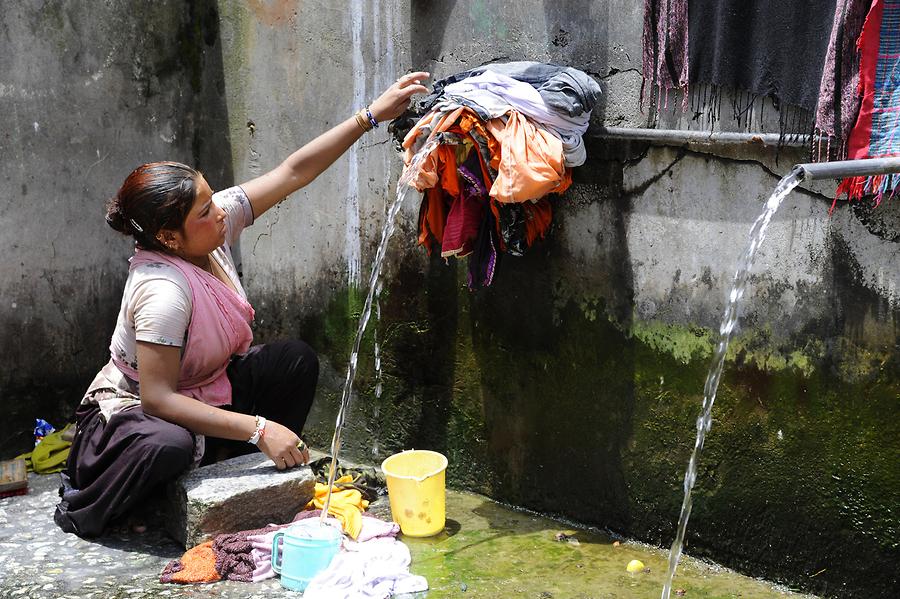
column 531, row 160
column 198, row 564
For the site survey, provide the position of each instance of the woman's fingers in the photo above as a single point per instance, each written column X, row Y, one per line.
column 409, row 78
column 411, row 90
column 296, row 456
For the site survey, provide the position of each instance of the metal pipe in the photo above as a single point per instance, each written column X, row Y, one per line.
column 848, row 168
column 679, row 136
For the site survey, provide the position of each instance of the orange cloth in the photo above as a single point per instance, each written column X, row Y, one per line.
column 531, row 160
column 426, row 175
column 461, row 121
column 538, row 216
column 199, row 565
column 432, row 218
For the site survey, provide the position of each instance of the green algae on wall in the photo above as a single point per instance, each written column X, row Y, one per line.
column 687, row 343
column 548, row 404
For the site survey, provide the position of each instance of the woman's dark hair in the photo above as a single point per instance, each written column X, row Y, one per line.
column 155, row 196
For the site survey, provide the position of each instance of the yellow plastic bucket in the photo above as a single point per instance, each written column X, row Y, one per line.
column 416, row 489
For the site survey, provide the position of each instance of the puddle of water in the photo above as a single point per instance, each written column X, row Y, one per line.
column 490, row 550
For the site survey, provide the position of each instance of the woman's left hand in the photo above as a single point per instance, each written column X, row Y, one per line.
column 395, row 99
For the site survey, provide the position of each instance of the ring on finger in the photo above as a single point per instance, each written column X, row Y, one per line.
column 301, row 445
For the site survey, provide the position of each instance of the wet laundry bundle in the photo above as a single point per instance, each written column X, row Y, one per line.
column 495, row 142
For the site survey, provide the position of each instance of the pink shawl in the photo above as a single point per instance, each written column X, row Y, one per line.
column 219, row 329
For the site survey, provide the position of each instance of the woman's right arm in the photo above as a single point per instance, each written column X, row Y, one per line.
column 158, row 378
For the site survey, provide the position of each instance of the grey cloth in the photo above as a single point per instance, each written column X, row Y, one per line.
column 564, row 89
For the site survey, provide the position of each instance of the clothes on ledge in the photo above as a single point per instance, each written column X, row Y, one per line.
column 504, row 137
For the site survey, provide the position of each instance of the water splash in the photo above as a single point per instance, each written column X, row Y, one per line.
column 729, row 320
column 403, row 190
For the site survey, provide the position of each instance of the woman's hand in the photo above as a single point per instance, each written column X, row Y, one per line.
column 395, row 99
column 282, row 446
column 304, row 165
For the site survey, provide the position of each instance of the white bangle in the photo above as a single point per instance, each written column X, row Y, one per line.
column 260, row 431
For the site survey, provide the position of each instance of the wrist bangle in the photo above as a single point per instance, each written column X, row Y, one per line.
column 362, row 120
column 371, row 118
column 260, row 431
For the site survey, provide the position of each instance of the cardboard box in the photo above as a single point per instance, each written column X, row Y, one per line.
column 13, row 477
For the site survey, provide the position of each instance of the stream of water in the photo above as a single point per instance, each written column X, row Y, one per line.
column 403, row 189
column 704, row 421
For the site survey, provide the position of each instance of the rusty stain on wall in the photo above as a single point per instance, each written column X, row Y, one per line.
column 274, row 12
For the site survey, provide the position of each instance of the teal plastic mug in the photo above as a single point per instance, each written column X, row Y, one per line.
column 301, row 556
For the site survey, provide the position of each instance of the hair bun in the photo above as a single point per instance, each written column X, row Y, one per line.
column 115, row 218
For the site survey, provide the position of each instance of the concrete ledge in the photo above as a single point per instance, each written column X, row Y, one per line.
column 242, row 493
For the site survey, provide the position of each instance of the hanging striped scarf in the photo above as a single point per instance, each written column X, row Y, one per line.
column 877, row 130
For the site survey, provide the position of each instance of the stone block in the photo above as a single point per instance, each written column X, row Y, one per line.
column 242, row 493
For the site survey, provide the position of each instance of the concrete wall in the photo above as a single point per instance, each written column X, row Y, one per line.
column 569, row 386
column 88, row 91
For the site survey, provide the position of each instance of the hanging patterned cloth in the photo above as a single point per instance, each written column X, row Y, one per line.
column 877, row 130
column 756, row 48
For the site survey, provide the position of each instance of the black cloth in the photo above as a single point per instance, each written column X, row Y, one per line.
column 114, row 465
column 366, row 479
column 773, row 48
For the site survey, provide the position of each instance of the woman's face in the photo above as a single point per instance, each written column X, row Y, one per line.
column 204, row 227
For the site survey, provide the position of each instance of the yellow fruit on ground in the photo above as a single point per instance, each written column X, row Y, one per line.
column 635, row 565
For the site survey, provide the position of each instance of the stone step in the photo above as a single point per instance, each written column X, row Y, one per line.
column 242, row 493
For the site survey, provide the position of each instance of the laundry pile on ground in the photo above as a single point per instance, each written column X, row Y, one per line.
column 499, row 139
column 371, row 561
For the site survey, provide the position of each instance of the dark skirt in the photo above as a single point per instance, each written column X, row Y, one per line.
column 114, row 465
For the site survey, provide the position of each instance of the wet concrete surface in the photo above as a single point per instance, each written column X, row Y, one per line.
column 486, row 550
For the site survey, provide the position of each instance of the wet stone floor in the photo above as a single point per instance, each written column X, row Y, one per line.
column 486, row 550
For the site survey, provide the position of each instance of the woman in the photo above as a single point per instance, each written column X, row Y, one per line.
column 183, row 381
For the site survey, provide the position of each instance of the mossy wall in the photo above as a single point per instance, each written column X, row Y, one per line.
column 547, row 401
column 88, row 91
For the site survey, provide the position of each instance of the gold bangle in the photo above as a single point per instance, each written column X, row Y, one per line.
column 362, row 120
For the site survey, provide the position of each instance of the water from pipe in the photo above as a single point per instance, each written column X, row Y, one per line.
column 704, row 421
column 403, row 190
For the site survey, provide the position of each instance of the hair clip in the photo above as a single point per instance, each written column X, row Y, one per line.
column 135, row 225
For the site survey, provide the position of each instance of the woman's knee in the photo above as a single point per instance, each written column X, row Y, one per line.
column 171, row 447
column 302, row 358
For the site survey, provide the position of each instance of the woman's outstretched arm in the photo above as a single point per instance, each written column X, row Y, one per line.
column 307, row 163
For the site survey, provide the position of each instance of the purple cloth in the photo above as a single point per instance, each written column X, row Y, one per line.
column 665, row 47
column 234, row 559
column 838, row 102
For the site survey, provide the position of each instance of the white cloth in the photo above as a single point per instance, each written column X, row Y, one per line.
column 374, row 569
column 498, row 94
